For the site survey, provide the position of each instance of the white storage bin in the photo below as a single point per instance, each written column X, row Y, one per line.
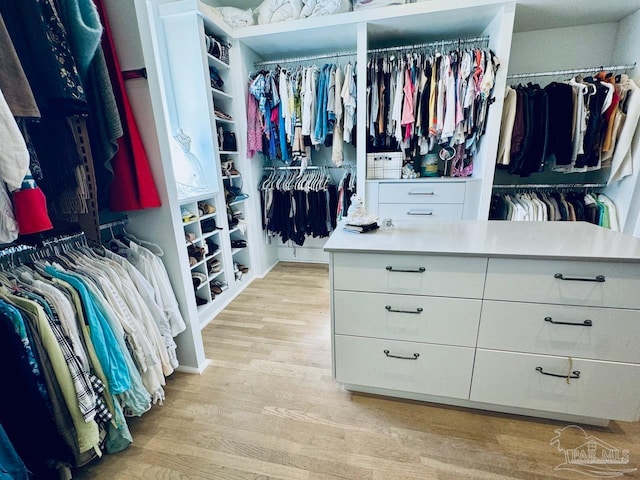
column 384, row 165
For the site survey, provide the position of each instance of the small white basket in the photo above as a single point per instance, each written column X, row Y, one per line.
column 384, row 165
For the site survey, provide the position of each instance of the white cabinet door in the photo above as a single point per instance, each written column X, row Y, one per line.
column 445, row 321
column 404, row 366
column 597, row 284
column 410, row 274
column 586, row 332
column 604, row 390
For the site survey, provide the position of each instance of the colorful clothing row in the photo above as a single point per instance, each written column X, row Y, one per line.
column 555, row 206
column 581, row 125
column 292, row 110
column 60, row 75
column 90, row 341
column 421, row 102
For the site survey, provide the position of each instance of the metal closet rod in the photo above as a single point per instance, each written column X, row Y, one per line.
column 305, row 59
column 548, row 186
column 310, row 167
column 573, row 71
column 431, row 44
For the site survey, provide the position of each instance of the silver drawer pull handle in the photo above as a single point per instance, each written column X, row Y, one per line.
column 419, row 270
column 421, row 193
column 417, row 311
column 586, row 323
column 598, row 278
column 574, row 374
column 419, row 212
column 415, row 356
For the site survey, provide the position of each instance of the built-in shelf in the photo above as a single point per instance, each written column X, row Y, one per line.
column 220, row 94
column 227, row 152
column 224, row 120
column 215, row 62
column 196, row 265
column 210, row 234
column 208, row 215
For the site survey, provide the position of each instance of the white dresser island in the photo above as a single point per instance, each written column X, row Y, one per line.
column 539, row 319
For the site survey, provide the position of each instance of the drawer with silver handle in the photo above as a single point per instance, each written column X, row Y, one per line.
column 567, row 385
column 404, row 366
column 597, row 284
column 421, row 192
column 425, row 212
column 410, row 274
column 586, row 332
column 445, row 321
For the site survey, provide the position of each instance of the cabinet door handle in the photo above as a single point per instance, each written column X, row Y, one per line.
column 586, row 323
column 419, row 212
column 419, row 270
column 415, row 356
column 417, row 311
column 421, row 193
column 574, row 374
column 597, row 278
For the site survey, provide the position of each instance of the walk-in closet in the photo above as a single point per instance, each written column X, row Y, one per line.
column 180, row 297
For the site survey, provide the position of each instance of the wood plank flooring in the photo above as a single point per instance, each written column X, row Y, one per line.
column 267, row 408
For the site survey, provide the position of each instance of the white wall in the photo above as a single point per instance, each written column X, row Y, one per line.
column 563, row 48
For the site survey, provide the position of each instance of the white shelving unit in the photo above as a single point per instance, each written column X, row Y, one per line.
column 178, row 94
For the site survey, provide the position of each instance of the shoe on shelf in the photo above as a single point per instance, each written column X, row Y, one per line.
column 240, row 268
column 234, row 194
column 201, row 301
column 209, row 225
column 198, row 278
column 189, row 237
column 217, row 287
column 238, row 243
column 187, row 216
column 206, row 208
column 196, row 252
column 212, row 246
column 214, row 266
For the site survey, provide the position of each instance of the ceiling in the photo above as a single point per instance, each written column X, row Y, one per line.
column 534, row 14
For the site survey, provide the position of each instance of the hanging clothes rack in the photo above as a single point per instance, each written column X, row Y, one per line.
column 441, row 43
column 550, row 186
column 574, row 71
column 310, row 167
column 305, row 59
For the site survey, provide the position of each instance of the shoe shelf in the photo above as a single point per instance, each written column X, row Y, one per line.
column 215, row 62
column 219, row 94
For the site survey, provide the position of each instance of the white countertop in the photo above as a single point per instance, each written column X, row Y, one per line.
column 562, row 240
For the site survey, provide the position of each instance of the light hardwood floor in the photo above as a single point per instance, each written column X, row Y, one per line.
column 268, row 408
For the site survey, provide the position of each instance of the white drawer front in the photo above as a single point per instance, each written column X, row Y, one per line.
column 422, row 275
column 527, row 327
column 604, row 389
column 421, row 192
column 445, row 321
column 535, row 281
column 429, row 213
column 428, row 369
